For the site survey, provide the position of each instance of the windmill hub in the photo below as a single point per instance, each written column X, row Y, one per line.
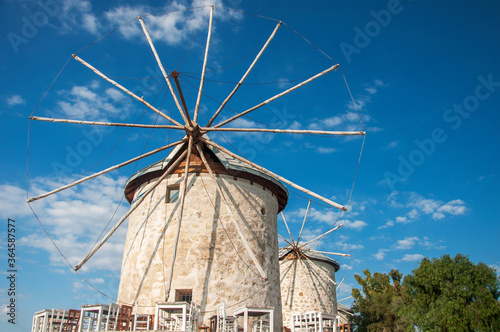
column 194, row 132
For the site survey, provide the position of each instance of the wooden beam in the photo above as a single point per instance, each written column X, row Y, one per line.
column 104, row 171
column 130, row 93
column 285, row 131
column 110, row 124
column 202, row 81
column 304, row 222
column 262, row 169
column 161, row 68
column 179, row 219
column 277, row 96
column 319, row 237
column 244, row 76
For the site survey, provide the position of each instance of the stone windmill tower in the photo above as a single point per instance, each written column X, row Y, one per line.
column 308, row 282
column 226, row 248
column 202, row 221
column 307, row 275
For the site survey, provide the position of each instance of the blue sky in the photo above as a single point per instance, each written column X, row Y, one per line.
column 424, row 75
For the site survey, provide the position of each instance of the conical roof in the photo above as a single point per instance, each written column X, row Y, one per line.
column 288, row 252
column 220, row 163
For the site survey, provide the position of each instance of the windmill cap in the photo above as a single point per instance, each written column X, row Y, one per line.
column 285, row 251
column 230, row 166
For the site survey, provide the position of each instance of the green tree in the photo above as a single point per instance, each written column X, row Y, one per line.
column 376, row 306
column 452, row 295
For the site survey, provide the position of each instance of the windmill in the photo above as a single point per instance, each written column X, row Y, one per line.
column 307, row 275
column 200, row 202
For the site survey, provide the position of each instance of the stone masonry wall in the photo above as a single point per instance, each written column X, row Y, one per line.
column 304, row 288
column 211, row 259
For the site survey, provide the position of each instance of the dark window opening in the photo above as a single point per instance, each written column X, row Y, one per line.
column 183, row 295
column 172, row 193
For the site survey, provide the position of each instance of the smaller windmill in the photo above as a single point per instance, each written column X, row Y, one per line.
column 307, row 275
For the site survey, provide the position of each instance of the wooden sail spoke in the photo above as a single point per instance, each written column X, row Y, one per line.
column 110, row 124
column 327, row 252
column 179, row 219
column 288, row 229
column 233, row 217
column 285, row 239
column 244, row 76
column 320, row 269
column 262, row 169
column 285, row 131
column 304, row 222
column 340, row 284
column 104, row 171
column 292, row 279
column 326, row 71
column 319, row 237
column 163, row 70
column 132, row 209
column 202, row 81
column 130, row 93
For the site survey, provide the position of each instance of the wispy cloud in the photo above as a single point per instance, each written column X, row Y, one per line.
column 174, row 25
column 349, row 120
column 417, row 206
column 74, row 218
column 412, row 258
column 15, row 100
column 406, row 243
column 91, row 102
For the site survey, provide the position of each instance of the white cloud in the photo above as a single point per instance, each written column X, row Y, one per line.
column 425, row 242
column 13, row 202
column 92, row 103
column 388, row 224
column 74, row 218
column 15, row 100
column 391, row 145
column 419, row 205
column 380, row 255
column 173, row 26
column 406, row 243
column 403, row 220
column 357, row 224
column 412, row 258
column 325, row 150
